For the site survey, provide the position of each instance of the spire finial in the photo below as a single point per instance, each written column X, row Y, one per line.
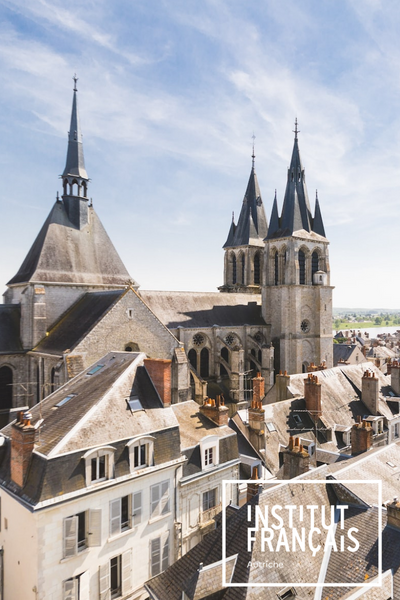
column 275, row 195
column 75, row 78
column 295, row 130
column 233, row 216
column 316, row 195
column 253, row 155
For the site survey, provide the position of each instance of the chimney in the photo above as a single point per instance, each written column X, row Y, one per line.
column 361, row 437
column 296, row 459
column 253, row 488
column 258, row 388
column 256, row 415
column 395, row 377
column 215, row 410
column 312, row 395
column 22, row 444
column 159, row 370
column 282, row 382
column 370, row 392
column 393, row 513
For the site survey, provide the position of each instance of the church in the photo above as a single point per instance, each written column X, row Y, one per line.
column 72, row 300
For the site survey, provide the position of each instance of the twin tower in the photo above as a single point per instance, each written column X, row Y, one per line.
column 287, row 261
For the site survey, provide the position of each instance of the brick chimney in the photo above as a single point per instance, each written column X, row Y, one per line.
column 393, row 513
column 282, row 382
column 361, row 437
column 215, row 410
column 253, row 488
column 296, row 459
column 258, row 388
column 370, row 391
column 312, row 395
column 22, row 444
column 159, row 370
column 256, row 415
column 395, row 376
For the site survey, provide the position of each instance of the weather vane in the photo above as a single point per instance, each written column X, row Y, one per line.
column 75, row 78
column 253, row 155
column 295, row 130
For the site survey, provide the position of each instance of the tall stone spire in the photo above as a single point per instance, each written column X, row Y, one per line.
column 252, row 225
column 75, row 165
column 296, row 213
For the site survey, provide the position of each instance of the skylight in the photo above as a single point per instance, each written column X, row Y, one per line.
column 271, row 427
column 95, row 369
column 64, row 400
column 297, row 418
column 134, row 403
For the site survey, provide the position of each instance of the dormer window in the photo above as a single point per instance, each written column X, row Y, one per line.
column 141, row 452
column 99, row 465
column 209, row 450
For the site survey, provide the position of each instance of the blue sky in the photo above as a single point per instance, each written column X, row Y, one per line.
column 169, row 96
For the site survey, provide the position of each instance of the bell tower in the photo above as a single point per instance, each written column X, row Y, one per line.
column 296, row 292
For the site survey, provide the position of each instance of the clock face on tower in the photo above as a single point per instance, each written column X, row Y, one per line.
column 305, row 326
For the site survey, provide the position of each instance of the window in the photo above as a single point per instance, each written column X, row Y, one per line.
column 115, row 577
column 396, row 430
column 243, row 261
column 314, row 264
column 141, row 452
column 276, row 266
column 159, row 554
column 130, row 313
column 208, row 456
column 120, row 515
column 94, row 369
column 192, row 356
column 159, row 498
column 81, row 531
column 65, row 400
column 209, row 499
column 204, row 363
column 6, row 387
column 76, row 588
column 302, row 267
column 99, row 464
column 256, row 269
column 234, row 274
column 297, row 419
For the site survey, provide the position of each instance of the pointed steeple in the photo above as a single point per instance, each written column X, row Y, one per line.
column 296, row 213
column 75, row 165
column 252, row 226
column 274, row 220
column 318, row 225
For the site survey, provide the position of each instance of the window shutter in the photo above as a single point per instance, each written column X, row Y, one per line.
column 126, row 572
column 165, row 497
column 165, row 551
column 70, row 540
column 70, row 589
column 104, row 581
column 115, row 516
column 155, row 556
column 84, row 586
column 94, row 532
column 155, row 499
column 137, row 508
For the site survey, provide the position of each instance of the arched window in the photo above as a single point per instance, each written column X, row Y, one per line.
column 314, row 263
column 234, row 274
column 192, row 356
column 243, row 260
column 65, row 187
column 276, row 268
column 6, row 391
column 204, row 363
column 302, row 267
column 256, row 269
column 225, row 354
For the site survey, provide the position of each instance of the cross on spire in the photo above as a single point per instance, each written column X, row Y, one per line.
column 295, row 130
column 253, row 155
column 75, row 78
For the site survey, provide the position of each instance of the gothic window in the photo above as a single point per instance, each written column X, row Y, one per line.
column 234, row 274
column 192, row 356
column 243, row 266
column 276, row 268
column 302, row 267
column 84, row 188
column 257, row 269
column 74, row 188
column 314, row 263
column 225, row 354
column 230, row 339
column 6, row 381
column 204, row 363
column 198, row 339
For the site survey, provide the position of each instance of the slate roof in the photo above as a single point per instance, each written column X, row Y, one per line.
column 62, row 253
column 344, row 352
column 77, row 321
column 10, row 317
column 252, row 225
column 204, row 309
column 296, row 213
column 69, row 430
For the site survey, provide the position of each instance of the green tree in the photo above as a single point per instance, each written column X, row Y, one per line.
column 378, row 320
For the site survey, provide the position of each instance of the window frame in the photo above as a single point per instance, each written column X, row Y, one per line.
column 160, row 503
column 209, row 444
column 209, row 495
column 146, row 441
column 163, row 554
column 96, row 455
column 72, row 545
